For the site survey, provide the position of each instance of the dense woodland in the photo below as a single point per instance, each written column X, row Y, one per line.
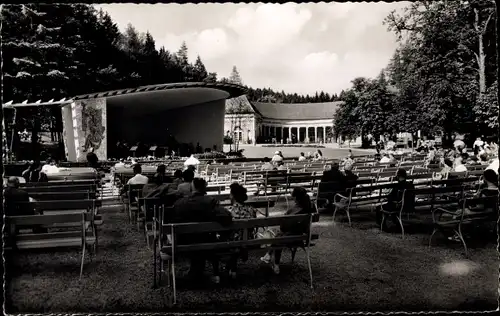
column 441, row 78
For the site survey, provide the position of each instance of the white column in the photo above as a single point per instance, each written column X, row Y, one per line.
column 307, row 134
column 282, row 136
column 315, row 134
column 324, row 134
column 290, row 133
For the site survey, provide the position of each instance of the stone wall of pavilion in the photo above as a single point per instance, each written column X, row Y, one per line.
column 84, row 128
column 241, row 123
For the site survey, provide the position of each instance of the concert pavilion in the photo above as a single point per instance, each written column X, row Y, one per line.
column 193, row 112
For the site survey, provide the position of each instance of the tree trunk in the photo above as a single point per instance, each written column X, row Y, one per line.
column 34, row 138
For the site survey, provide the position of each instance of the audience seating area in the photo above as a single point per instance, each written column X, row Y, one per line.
column 70, row 205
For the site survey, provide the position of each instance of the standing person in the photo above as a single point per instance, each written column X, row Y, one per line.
column 302, row 206
column 239, row 210
column 199, row 207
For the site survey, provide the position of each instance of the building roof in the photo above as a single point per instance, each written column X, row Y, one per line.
column 234, row 91
column 297, row 111
column 239, row 105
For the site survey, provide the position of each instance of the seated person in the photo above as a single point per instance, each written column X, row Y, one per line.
column 277, row 157
column 318, row 155
column 302, row 206
column 302, row 157
column 50, row 167
column 447, row 168
column 178, row 179
column 459, row 166
column 16, row 204
column 198, row 207
column 395, row 196
column 281, row 166
column 185, row 188
column 493, row 165
column 385, row 159
column 156, row 188
column 138, row 178
column 161, row 170
column 267, row 165
column 239, row 210
column 34, row 174
column 349, row 177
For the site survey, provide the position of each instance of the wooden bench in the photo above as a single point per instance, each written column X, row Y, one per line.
column 170, row 250
column 60, row 188
column 60, row 182
column 425, row 201
column 79, row 236
column 77, row 195
column 458, row 221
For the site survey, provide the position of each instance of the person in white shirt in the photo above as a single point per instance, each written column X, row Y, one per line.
column 459, row 145
column 302, row 157
column 281, row 165
column 138, row 178
column 385, row 159
column 277, row 157
column 459, row 166
column 50, row 167
column 478, row 144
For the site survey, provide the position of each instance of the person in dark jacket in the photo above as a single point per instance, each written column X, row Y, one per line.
column 16, row 199
column 177, row 179
column 332, row 182
column 349, row 178
column 302, row 206
column 198, row 207
column 402, row 188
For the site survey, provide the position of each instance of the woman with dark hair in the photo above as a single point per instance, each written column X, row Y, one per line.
column 155, row 188
column 239, row 210
column 302, row 206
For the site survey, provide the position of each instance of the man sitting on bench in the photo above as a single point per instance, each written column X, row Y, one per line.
column 199, row 207
column 16, row 203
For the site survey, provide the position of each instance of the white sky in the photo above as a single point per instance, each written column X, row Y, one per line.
column 299, row 48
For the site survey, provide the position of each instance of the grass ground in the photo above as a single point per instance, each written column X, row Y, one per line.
column 354, row 269
column 251, row 151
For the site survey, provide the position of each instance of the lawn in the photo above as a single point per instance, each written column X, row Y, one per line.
column 251, row 151
column 354, row 269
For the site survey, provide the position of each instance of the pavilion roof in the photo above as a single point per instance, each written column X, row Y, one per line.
column 297, row 111
column 234, row 90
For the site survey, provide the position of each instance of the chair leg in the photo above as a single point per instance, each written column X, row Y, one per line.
column 402, row 228
column 459, row 233
column 432, row 235
column 348, row 216
column 382, row 222
column 309, row 267
column 173, row 281
column 82, row 261
column 333, row 217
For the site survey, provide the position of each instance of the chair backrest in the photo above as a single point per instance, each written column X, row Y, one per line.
column 62, row 205
column 61, row 188
column 60, row 182
column 78, row 195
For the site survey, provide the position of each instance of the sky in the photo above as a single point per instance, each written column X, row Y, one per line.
column 298, row 48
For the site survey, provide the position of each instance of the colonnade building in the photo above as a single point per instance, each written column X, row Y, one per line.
column 258, row 122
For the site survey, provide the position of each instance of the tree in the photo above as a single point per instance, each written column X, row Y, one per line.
column 453, row 49
column 200, row 72
column 235, row 76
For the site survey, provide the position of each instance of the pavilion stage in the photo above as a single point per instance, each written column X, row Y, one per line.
column 191, row 112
